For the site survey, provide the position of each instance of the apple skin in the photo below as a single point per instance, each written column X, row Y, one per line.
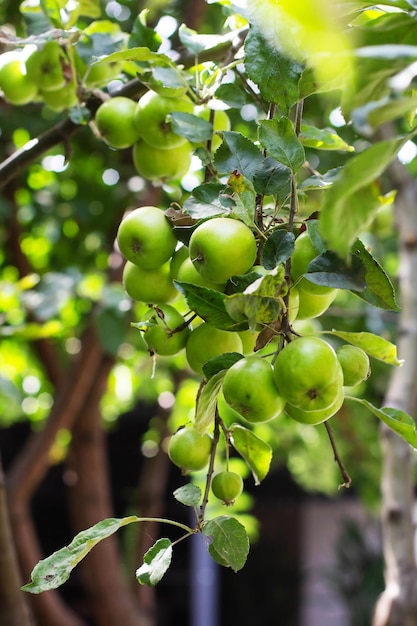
column 315, row 417
column 177, row 260
column 18, row 89
column 312, row 305
column 115, row 121
column 355, row 365
column 308, row 374
column 151, row 119
column 304, row 252
column 206, row 342
column 61, row 99
column 45, row 67
column 249, row 388
column 158, row 337
column 227, row 486
column 221, row 248
column 151, row 286
column 188, row 274
column 145, row 238
column 162, row 164
column 189, row 449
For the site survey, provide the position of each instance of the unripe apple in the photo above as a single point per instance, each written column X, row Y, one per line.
column 355, row 364
column 162, row 164
column 151, row 286
column 45, row 66
column 207, row 342
column 227, row 486
column 16, row 85
column 159, row 336
column 152, row 119
column 189, row 449
column 115, row 121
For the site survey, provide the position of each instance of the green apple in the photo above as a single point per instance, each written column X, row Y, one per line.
column 222, row 247
column 151, row 286
column 188, row 274
column 61, row 99
column 249, row 388
column 152, row 119
column 17, row 87
column 248, row 339
column 206, row 342
column 160, row 164
column 312, row 305
column 177, row 260
column 221, row 122
column 227, row 486
column 158, row 333
column 355, row 364
column 308, row 373
column 145, row 237
column 115, row 121
column 315, row 417
column 46, row 67
column 189, row 449
column 304, row 253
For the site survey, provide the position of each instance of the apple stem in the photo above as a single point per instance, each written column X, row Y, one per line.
column 347, row 481
column 210, row 471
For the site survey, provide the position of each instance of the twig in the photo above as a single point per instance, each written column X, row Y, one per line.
column 345, row 476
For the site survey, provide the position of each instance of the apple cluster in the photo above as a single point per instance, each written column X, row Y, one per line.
column 305, row 378
column 158, row 152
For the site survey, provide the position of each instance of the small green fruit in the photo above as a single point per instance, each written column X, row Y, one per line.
column 115, row 121
column 189, row 449
column 150, row 286
column 227, row 486
column 207, row 342
column 355, row 365
column 158, row 335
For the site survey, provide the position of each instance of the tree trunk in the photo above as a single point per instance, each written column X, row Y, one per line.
column 397, row 606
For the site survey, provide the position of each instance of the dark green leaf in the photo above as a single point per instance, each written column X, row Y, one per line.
column 256, row 452
column 207, row 402
column 273, row 179
column 238, row 284
column 277, row 249
column 80, row 115
column 268, row 68
column 156, row 561
column 379, row 290
column 399, row 421
column 196, row 43
column 281, row 143
column 209, row 200
column 237, row 153
column 111, row 329
column 143, row 36
column 232, row 95
column 320, row 182
column 191, row 127
column 189, row 495
column 329, row 270
column 220, row 363
column 229, row 543
column 210, row 306
column 313, row 228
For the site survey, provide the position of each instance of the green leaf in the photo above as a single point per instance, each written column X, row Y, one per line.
column 52, row 9
column 268, row 68
column 232, row 95
column 252, row 309
column 329, row 270
column 277, row 249
column 368, row 117
column 140, row 54
column 237, row 153
column 189, row 495
column 209, row 305
column 207, row 402
column 219, row 363
column 156, row 562
column 244, row 197
column 272, row 179
column 351, row 201
column 229, row 542
column 90, row 8
column 209, row 200
column 191, row 127
column 281, row 143
column 256, row 452
column 53, row 571
column 80, row 115
column 379, row 290
column 143, row 36
column 196, row 43
column 238, row 284
column 323, row 139
column 318, row 181
column 375, row 346
column 399, row 421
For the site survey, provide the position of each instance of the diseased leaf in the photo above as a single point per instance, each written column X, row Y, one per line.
column 156, row 561
column 189, row 495
column 228, row 541
column 251, row 309
column 399, row 421
column 256, row 452
column 244, row 196
column 207, row 402
column 281, row 143
column 379, row 290
column 53, row 571
column 375, row 346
